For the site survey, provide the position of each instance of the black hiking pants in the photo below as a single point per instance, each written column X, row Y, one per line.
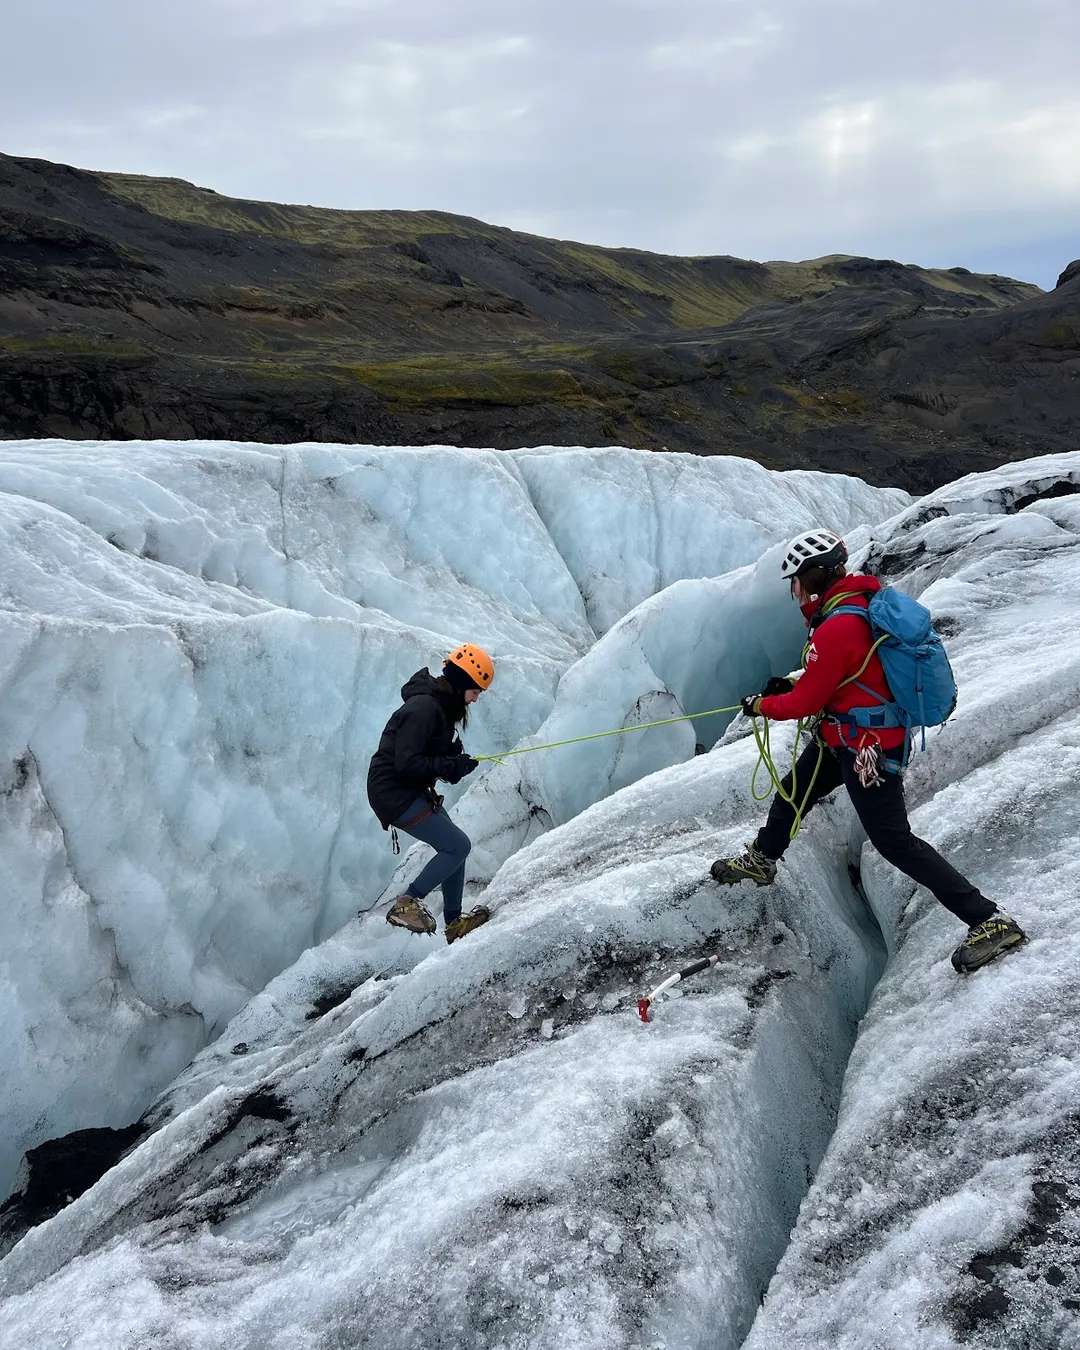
column 883, row 813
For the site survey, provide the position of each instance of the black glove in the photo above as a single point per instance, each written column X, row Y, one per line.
column 749, row 705
column 456, row 748
column 459, row 766
column 777, row 684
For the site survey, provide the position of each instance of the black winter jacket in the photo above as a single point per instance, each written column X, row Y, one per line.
column 418, row 745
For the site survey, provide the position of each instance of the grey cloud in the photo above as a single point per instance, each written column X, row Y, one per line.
column 944, row 132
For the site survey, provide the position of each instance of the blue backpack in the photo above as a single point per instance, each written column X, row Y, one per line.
column 915, row 664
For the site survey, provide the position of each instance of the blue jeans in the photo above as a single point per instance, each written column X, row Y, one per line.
column 447, row 868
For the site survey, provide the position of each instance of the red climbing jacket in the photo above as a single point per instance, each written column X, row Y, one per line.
column 837, row 649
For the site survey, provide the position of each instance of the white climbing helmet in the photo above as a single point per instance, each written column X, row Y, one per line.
column 816, row 548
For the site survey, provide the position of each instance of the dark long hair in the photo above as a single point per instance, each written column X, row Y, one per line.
column 453, row 700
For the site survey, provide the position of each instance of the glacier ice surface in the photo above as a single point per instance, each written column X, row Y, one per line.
column 400, row 1105
column 202, row 643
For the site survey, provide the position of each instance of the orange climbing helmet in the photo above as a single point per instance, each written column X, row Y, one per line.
column 475, row 662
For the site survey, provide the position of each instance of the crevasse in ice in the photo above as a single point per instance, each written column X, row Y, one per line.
column 202, row 643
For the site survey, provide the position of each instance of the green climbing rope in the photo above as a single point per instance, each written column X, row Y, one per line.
column 596, row 735
column 761, row 737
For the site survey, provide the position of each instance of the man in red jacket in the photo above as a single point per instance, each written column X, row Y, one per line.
column 869, row 763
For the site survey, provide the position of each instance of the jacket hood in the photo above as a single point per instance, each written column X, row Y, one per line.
column 423, row 682
column 858, row 582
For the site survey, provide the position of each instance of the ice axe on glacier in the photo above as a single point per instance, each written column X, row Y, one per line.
column 645, row 1003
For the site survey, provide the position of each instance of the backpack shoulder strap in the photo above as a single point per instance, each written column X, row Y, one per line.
column 831, row 607
column 837, row 607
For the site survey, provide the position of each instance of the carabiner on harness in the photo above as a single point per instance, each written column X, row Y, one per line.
column 869, row 760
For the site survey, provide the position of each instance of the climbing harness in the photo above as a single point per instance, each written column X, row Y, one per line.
column 644, row 1005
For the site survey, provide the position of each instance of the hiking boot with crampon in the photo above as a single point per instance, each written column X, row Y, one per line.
column 750, row 865
column 986, row 941
column 465, row 923
column 408, row 912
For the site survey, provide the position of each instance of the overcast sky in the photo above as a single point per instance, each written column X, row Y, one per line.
column 945, row 132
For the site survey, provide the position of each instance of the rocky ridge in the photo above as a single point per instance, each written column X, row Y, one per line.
column 139, row 307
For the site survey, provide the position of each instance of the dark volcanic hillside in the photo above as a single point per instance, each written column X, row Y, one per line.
column 139, row 307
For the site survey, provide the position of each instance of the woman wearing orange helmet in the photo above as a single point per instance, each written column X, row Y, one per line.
column 418, row 746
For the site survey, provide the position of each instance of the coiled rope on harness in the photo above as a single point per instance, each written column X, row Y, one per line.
column 776, row 785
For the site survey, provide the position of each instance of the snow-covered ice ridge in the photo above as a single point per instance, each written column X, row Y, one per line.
column 481, row 1146
column 201, row 645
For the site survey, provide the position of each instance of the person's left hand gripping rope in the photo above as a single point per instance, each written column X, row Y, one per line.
column 750, row 705
column 777, row 684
